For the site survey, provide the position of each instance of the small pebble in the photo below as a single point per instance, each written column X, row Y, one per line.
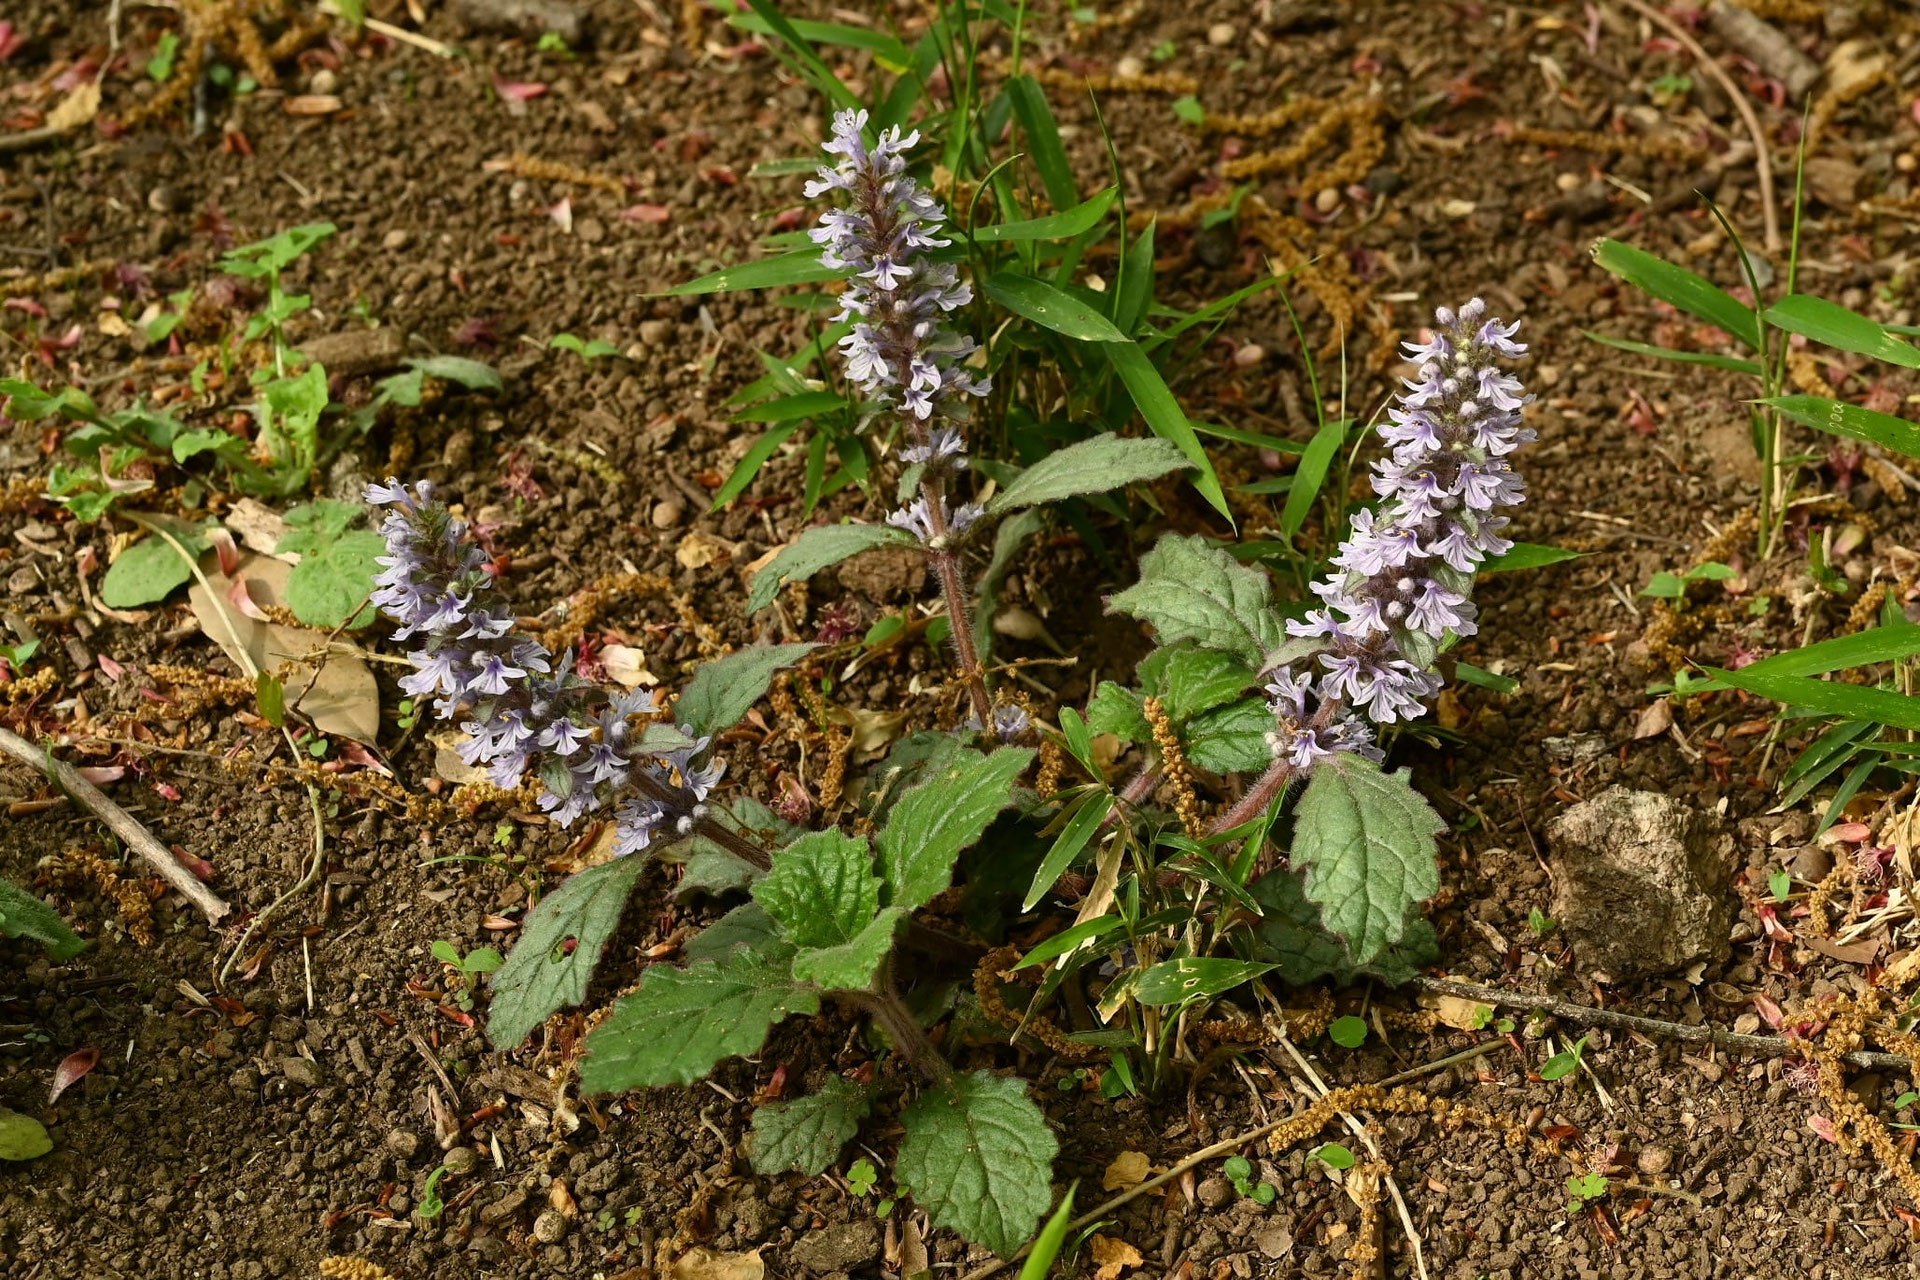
column 549, row 1227
column 654, row 332
column 1654, row 1161
column 165, row 199
column 1222, row 34
column 395, row 239
column 668, row 514
column 323, row 81
column 403, row 1143
column 1250, row 355
column 1568, row 182
column 1905, row 162
column 1327, row 199
column 1129, row 67
column 461, row 1160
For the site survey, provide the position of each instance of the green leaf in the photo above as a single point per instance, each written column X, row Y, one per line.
column 276, row 253
column 336, row 570
column 1164, row 416
column 1117, row 710
column 817, row 549
column 1067, row 845
column 1881, row 644
column 541, row 974
column 750, row 463
column 1188, row 109
column 1059, row 226
column 805, row 404
column 1333, row 1155
column 1134, row 292
column 1311, row 474
column 1681, row 288
column 22, row 1137
column 1191, row 680
column 597, row 349
column 1732, row 363
column 474, row 375
column 1850, row 421
column 802, row 266
column 1190, row 590
column 747, row 925
column 1231, row 739
column 681, row 1022
column 850, row 965
column 1527, row 555
column 1563, row 1064
column 725, row 689
column 24, row 916
column 1043, row 140
column 822, row 890
column 1289, row 932
column 1050, row 308
column 942, row 815
column 1096, row 465
column 1053, row 1237
column 1467, row 673
column 1856, row 702
column 1194, row 978
column 978, row 1157
column 1833, row 325
column 1366, row 840
column 150, row 569
column 806, row 1136
column 1348, row 1032
column 877, row 42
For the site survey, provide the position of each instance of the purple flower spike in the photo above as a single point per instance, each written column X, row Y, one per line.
column 526, row 711
column 1406, row 568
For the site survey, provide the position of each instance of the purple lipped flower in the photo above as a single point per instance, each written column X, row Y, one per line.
column 525, row 709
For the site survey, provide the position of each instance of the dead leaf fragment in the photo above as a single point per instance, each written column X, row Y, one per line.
column 698, row 550
column 711, row 1264
column 344, row 700
column 1111, row 1257
column 76, row 109
column 313, row 104
column 1129, row 1169
column 1655, row 719
column 872, row 730
column 1460, row 1013
column 627, row 666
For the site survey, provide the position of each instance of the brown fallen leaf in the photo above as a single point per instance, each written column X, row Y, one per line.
column 345, row 698
column 1460, row 1013
column 1129, row 1169
column 1111, row 1257
column 710, row 1264
column 258, row 526
column 698, row 550
column 872, row 730
column 1655, row 719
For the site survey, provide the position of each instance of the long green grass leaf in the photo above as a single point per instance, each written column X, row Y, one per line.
column 802, row 266
column 1050, row 308
column 1851, row 421
column 1731, row 363
column 1311, row 474
column 1830, row 697
column 1163, row 415
column 1679, row 287
column 1081, row 218
column 1833, row 325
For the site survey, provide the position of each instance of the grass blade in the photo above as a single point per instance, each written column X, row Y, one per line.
column 1050, row 308
column 1731, row 363
column 1851, row 421
column 1882, row 706
column 1311, row 474
column 1163, row 415
column 1833, row 325
column 1679, row 287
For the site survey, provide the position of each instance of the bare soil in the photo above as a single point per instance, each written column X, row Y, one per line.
column 252, row 1127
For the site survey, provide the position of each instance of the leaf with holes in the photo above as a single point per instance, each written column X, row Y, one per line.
column 543, row 973
column 806, row 1136
column 978, row 1157
column 1366, row 840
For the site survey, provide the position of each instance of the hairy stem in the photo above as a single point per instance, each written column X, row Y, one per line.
column 946, row 567
column 890, row 1011
column 1258, row 797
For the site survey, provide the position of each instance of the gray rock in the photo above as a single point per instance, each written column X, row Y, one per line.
column 304, row 1072
column 1641, row 882
column 1214, row 1191
column 550, row 1227
column 839, row 1248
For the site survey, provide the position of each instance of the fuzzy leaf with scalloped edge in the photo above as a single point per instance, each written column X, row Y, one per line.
column 806, row 1135
column 1366, row 840
column 978, row 1157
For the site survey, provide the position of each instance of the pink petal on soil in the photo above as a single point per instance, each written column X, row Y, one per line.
column 654, row 213
column 27, row 305
column 10, row 41
column 518, row 90
column 1851, row 832
column 101, row 774
column 1824, row 1127
column 562, row 215
column 72, row 1067
column 109, row 668
column 167, row 791
column 201, row 868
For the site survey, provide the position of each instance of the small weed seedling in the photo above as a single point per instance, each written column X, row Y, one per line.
column 1239, row 1171
column 1565, row 1063
column 587, row 349
column 1585, row 1190
column 466, row 970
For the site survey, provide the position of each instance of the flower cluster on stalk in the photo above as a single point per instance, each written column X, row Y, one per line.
column 1405, row 572
column 901, row 354
column 525, row 710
